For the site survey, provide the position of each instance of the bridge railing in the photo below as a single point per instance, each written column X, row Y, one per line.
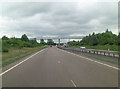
column 94, row 51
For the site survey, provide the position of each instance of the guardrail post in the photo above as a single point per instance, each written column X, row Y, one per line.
column 97, row 52
column 113, row 55
column 104, row 53
column 89, row 51
column 119, row 54
column 82, row 50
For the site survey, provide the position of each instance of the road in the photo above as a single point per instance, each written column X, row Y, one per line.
column 54, row 67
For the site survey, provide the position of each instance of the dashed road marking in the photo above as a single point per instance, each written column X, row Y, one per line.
column 73, row 83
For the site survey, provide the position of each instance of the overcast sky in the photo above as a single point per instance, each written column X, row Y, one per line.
column 52, row 19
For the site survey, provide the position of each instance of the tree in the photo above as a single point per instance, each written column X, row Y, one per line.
column 106, row 38
column 94, row 40
column 93, row 34
column 107, row 31
column 24, row 38
column 5, row 38
column 119, row 39
column 34, row 42
column 50, row 42
column 42, row 42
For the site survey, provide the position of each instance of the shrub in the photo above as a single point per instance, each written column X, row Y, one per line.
column 27, row 44
column 5, row 50
column 20, row 47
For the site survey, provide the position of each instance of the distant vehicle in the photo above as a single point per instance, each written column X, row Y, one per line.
column 65, row 45
column 50, row 45
column 82, row 47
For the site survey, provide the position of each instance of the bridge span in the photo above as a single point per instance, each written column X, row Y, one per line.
column 59, row 38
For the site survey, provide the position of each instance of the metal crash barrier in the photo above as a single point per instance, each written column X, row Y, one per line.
column 94, row 51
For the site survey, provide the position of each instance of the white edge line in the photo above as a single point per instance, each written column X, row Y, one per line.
column 20, row 63
column 73, row 83
column 93, row 60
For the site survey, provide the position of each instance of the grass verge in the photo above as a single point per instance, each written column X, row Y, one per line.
column 16, row 54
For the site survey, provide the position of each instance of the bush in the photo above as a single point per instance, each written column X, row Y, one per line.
column 20, row 47
column 5, row 50
column 27, row 44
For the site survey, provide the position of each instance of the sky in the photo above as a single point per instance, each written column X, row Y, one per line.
column 57, row 19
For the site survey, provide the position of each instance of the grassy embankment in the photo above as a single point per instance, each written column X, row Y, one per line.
column 16, row 54
column 101, row 47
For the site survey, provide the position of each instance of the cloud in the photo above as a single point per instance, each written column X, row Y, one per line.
column 40, row 19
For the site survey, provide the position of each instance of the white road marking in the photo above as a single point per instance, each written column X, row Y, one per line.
column 20, row 63
column 92, row 60
column 73, row 83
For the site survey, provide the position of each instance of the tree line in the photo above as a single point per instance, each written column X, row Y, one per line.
column 24, row 41
column 105, row 38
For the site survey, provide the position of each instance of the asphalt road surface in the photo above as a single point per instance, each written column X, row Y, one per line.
column 54, row 67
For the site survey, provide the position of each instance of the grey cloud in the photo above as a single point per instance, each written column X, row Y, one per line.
column 61, row 19
column 23, row 9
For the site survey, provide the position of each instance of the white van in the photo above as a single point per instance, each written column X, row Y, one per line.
column 82, row 47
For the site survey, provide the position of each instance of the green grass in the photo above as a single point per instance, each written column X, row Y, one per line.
column 15, row 54
column 101, row 47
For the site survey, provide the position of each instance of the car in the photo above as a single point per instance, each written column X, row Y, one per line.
column 82, row 47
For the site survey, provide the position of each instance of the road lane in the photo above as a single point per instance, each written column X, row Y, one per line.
column 89, row 74
column 56, row 68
